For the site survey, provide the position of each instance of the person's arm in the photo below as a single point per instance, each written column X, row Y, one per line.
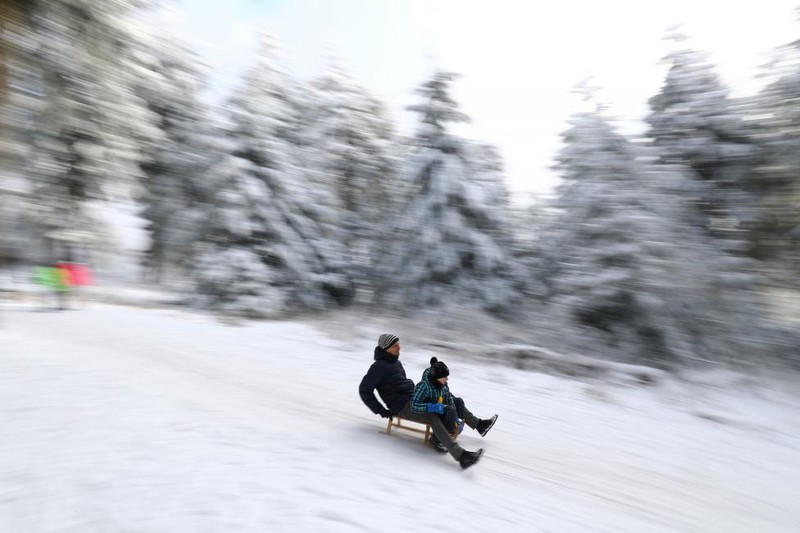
column 367, row 388
column 449, row 399
column 421, row 398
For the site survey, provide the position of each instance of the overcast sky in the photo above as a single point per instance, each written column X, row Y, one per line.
column 518, row 60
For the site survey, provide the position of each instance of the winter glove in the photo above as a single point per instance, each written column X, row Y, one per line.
column 460, row 426
column 385, row 413
column 437, row 408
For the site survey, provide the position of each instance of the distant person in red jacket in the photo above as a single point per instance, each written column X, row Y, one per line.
column 78, row 276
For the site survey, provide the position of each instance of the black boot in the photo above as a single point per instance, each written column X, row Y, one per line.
column 470, row 458
column 484, row 426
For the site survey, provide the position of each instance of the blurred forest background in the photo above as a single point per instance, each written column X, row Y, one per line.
column 295, row 197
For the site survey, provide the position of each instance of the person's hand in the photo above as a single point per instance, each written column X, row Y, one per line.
column 437, row 408
column 385, row 413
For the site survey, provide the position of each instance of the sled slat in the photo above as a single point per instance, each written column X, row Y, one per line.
column 397, row 423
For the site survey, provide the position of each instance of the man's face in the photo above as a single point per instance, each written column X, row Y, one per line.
column 443, row 381
column 394, row 349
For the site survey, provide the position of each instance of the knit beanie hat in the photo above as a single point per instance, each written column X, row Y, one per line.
column 438, row 369
column 386, row 340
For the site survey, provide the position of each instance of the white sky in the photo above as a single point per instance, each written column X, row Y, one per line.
column 518, row 60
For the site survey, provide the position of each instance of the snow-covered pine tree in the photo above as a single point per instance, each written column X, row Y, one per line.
column 173, row 199
column 90, row 126
column 695, row 123
column 230, row 272
column 449, row 243
column 645, row 283
column 598, row 243
column 268, row 245
column 19, row 99
column 349, row 147
column 776, row 114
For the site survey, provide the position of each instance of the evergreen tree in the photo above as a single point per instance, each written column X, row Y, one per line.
column 450, row 243
column 776, row 114
column 173, row 199
column 19, row 99
column 263, row 209
column 630, row 267
column 90, row 127
column 231, row 273
column 348, row 148
column 695, row 123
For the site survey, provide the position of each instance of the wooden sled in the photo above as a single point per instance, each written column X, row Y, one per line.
column 397, row 423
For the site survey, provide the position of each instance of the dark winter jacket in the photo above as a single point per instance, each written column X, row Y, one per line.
column 427, row 392
column 388, row 376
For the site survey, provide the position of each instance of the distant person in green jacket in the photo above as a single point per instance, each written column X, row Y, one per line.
column 55, row 281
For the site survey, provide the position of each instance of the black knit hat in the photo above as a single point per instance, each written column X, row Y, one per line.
column 386, row 340
column 438, row 369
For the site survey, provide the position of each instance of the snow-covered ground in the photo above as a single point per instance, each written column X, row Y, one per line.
column 132, row 419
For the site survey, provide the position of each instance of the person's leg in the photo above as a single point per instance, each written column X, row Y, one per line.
column 442, row 435
column 450, row 419
column 465, row 414
column 480, row 425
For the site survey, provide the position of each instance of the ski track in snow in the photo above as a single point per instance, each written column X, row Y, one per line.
column 117, row 419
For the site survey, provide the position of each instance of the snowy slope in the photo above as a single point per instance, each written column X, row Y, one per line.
column 118, row 419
